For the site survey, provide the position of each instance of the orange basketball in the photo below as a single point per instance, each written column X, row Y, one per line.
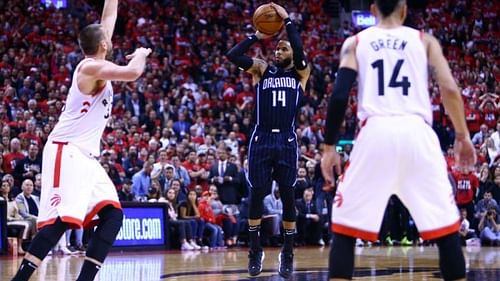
column 266, row 20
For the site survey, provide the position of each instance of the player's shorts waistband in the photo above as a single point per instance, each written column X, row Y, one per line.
column 86, row 153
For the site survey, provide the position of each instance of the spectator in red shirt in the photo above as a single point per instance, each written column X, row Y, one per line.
column 489, row 109
column 30, row 133
column 467, row 185
column 245, row 100
column 197, row 173
column 473, row 117
column 207, row 214
column 195, row 137
column 15, row 154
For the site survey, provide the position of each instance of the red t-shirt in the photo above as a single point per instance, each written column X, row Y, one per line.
column 31, row 137
column 247, row 97
column 473, row 119
column 198, row 140
column 490, row 117
column 9, row 161
column 206, row 212
column 194, row 167
column 467, row 185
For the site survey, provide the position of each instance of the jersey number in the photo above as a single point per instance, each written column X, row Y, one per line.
column 279, row 96
column 404, row 83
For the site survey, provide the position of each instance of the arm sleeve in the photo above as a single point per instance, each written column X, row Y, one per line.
column 299, row 59
column 237, row 54
column 338, row 103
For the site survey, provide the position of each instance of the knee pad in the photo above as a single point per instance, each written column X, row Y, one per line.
column 47, row 238
column 110, row 224
column 53, row 232
column 256, row 205
column 110, row 213
column 451, row 257
column 288, row 198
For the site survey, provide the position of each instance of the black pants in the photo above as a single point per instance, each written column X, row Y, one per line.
column 309, row 231
column 183, row 228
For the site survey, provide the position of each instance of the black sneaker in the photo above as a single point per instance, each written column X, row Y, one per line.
column 285, row 265
column 81, row 249
column 255, row 259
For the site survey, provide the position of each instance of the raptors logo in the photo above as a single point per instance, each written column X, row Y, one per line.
column 55, row 200
column 339, row 199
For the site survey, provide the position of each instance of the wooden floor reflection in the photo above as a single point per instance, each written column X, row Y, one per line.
column 375, row 263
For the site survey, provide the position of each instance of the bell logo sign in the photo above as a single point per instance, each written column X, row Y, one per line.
column 363, row 19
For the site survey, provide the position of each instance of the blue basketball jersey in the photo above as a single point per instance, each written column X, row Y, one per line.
column 278, row 94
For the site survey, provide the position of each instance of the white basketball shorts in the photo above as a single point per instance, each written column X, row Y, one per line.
column 75, row 187
column 395, row 155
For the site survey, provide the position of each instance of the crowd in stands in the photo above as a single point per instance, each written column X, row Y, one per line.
column 179, row 134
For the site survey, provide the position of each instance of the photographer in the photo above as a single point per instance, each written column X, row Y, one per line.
column 489, row 226
column 485, row 204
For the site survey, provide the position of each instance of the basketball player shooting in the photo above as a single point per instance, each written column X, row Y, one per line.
column 396, row 151
column 76, row 191
column 273, row 145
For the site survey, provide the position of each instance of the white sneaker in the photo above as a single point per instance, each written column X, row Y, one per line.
column 359, row 243
column 420, row 241
column 186, row 247
column 194, row 245
column 321, row 242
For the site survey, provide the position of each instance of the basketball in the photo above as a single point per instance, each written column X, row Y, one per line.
column 266, row 20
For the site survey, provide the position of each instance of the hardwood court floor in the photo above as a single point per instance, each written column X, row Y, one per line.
column 375, row 263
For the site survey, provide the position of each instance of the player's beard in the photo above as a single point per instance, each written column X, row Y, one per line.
column 284, row 63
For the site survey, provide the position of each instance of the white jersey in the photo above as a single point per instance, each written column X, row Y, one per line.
column 393, row 73
column 84, row 117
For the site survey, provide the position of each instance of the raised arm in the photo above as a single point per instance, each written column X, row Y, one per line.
column 452, row 101
column 299, row 58
column 254, row 66
column 108, row 18
column 105, row 70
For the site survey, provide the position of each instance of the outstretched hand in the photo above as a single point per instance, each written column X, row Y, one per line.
column 279, row 10
column 139, row 51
